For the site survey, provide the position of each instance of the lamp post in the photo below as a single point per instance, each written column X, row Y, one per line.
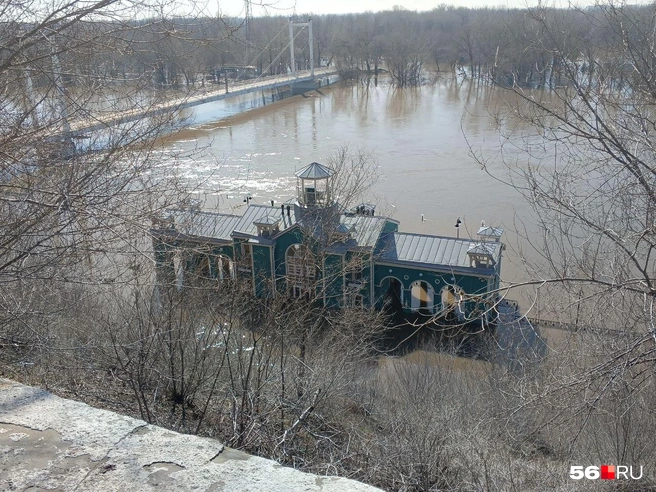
column 458, row 222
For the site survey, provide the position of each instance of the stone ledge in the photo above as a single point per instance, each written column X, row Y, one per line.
column 48, row 443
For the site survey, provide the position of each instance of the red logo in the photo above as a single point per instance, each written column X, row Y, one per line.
column 607, row 472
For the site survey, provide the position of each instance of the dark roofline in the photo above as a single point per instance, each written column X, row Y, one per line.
column 460, row 239
column 204, row 212
column 286, row 230
column 438, row 267
column 179, row 236
column 497, row 246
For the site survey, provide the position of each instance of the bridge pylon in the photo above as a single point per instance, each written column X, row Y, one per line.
column 302, row 25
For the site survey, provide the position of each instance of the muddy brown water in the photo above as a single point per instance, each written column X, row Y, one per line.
column 423, row 140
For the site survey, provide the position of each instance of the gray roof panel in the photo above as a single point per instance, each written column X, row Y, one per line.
column 481, row 249
column 365, row 229
column 418, row 249
column 256, row 213
column 315, row 171
column 210, row 225
column 430, row 250
column 268, row 220
column 490, row 231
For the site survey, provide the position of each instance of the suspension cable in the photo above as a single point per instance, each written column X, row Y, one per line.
column 262, row 51
column 268, row 44
column 282, row 51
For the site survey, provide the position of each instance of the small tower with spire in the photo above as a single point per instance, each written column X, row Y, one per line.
column 313, row 185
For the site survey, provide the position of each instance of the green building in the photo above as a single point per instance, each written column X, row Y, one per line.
column 313, row 248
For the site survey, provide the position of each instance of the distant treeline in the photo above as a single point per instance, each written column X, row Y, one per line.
column 531, row 48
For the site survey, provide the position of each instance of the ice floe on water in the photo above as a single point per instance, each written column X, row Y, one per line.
column 230, row 177
column 232, row 166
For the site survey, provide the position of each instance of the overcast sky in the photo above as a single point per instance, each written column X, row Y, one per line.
column 288, row 7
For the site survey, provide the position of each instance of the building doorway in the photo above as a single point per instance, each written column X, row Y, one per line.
column 392, row 289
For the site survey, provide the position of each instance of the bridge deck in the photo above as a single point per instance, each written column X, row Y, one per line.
column 105, row 120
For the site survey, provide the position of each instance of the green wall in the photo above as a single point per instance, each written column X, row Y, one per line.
column 262, row 270
column 334, row 280
column 471, row 285
column 331, row 271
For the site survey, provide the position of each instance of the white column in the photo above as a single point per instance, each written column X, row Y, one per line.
column 311, row 48
column 291, row 46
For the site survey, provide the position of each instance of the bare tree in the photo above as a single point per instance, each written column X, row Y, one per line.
column 589, row 172
column 75, row 193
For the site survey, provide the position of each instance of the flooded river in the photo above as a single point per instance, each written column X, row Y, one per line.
column 421, row 138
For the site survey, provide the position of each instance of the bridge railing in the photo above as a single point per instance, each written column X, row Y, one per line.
column 195, row 97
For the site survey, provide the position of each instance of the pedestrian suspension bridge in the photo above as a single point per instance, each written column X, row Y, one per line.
column 299, row 81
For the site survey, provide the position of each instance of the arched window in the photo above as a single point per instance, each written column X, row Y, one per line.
column 392, row 289
column 453, row 304
column 422, row 295
column 300, row 269
column 225, row 267
column 201, row 265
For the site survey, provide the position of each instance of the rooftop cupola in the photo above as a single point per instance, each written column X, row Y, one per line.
column 481, row 255
column 489, row 234
column 313, row 184
column 267, row 226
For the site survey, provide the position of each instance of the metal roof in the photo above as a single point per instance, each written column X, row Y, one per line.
column 481, row 249
column 268, row 220
column 210, row 225
column 344, row 229
column 256, row 213
column 490, row 232
column 315, row 171
column 365, row 229
column 430, row 250
column 218, row 226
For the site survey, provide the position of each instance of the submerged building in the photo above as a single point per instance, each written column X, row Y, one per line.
column 313, row 248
